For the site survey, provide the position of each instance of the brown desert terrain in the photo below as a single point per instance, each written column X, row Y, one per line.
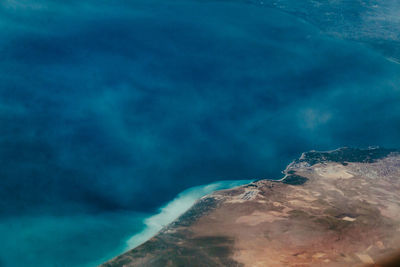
column 336, row 208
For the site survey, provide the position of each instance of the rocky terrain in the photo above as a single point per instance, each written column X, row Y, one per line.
column 335, row 208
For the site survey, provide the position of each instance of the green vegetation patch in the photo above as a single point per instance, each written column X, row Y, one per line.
column 347, row 154
column 294, row 179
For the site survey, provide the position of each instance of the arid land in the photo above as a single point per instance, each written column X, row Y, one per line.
column 335, row 208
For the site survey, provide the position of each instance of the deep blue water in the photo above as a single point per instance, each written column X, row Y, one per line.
column 109, row 109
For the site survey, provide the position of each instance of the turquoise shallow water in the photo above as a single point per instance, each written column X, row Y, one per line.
column 89, row 240
column 74, row 240
column 108, row 110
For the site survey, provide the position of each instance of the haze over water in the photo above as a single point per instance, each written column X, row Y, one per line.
column 109, row 110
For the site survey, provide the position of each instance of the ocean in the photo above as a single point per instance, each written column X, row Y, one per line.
column 109, row 110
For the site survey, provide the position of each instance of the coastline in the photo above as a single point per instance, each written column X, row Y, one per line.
column 173, row 212
column 219, row 229
column 170, row 212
